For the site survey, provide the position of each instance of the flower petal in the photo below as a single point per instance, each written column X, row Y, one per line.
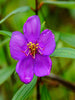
column 47, row 42
column 31, row 28
column 17, row 44
column 24, row 69
column 42, row 65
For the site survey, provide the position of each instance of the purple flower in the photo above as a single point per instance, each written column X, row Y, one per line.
column 32, row 50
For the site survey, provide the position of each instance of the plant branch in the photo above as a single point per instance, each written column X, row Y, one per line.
column 36, row 3
column 39, row 79
column 40, row 5
column 38, row 88
column 61, row 81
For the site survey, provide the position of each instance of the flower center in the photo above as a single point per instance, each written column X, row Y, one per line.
column 32, row 48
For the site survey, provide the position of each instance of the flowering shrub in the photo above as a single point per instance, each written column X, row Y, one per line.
column 41, row 58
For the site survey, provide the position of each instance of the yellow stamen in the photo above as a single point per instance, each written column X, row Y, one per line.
column 33, row 48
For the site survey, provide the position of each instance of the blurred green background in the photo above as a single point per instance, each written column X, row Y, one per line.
column 59, row 19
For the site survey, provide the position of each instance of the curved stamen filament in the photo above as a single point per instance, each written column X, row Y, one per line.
column 24, row 52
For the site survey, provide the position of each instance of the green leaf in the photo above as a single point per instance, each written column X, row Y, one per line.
column 69, row 74
column 64, row 52
column 18, row 10
column 42, row 26
column 57, row 36
column 63, row 4
column 24, row 91
column 5, row 73
column 5, row 41
column 68, row 38
column 45, row 93
column 5, row 33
